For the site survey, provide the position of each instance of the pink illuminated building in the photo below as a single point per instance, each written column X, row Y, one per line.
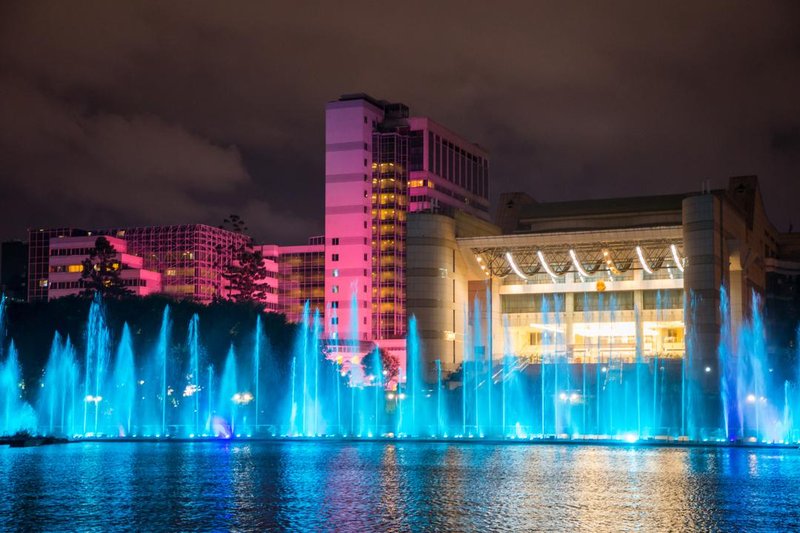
column 66, row 267
column 380, row 165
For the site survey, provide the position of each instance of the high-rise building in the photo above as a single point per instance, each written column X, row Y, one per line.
column 381, row 164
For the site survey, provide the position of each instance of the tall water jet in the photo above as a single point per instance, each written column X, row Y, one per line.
column 162, row 357
column 229, row 398
column 96, row 361
column 124, row 390
column 17, row 414
column 727, row 365
column 58, row 394
column 193, row 386
column 257, row 370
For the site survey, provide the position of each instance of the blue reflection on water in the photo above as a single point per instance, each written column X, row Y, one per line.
column 313, row 486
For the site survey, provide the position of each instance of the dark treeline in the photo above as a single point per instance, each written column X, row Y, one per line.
column 32, row 326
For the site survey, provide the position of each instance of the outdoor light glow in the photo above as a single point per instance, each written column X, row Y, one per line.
column 642, row 262
column 676, row 257
column 544, row 264
column 612, row 268
column 242, row 398
column 751, row 398
column 708, row 369
column 514, row 266
column 577, row 264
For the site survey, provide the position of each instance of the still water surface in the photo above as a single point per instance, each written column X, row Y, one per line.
column 304, row 486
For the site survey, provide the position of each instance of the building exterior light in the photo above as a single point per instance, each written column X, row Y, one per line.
column 577, row 264
column 514, row 266
column 93, row 399
column 676, row 257
column 751, row 398
column 242, row 398
column 642, row 261
column 544, row 264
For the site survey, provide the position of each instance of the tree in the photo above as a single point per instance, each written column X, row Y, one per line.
column 102, row 271
column 245, row 275
column 388, row 363
column 234, row 223
column 245, row 272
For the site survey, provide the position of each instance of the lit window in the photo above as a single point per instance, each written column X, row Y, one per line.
column 74, row 268
column 335, row 272
column 335, row 289
column 43, row 283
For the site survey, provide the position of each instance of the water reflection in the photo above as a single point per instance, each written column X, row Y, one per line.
column 398, row 486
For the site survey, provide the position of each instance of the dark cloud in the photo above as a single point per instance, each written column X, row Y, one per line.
column 163, row 112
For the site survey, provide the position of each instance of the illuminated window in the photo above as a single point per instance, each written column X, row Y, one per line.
column 335, row 272
column 335, row 289
column 74, row 268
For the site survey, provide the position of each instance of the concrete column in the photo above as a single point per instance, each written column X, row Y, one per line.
column 705, row 268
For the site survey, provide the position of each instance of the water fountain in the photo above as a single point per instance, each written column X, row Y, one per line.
column 113, row 384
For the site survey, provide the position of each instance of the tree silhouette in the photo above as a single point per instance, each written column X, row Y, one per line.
column 102, row 271
column 245, row 274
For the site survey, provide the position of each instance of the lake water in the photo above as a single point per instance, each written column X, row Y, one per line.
column 335, row 486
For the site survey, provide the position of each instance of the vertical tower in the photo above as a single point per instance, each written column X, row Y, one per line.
column 349, row 123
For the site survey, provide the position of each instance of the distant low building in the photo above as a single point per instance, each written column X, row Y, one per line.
column 65, row 275
column 190, row 258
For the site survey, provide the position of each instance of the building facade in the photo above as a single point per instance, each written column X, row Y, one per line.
column 606, row 283
column 301, row 279
column 66, row 267
column 380, row 165
column 190, row 258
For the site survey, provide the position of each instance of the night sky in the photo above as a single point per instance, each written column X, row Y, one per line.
column 132, row 113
